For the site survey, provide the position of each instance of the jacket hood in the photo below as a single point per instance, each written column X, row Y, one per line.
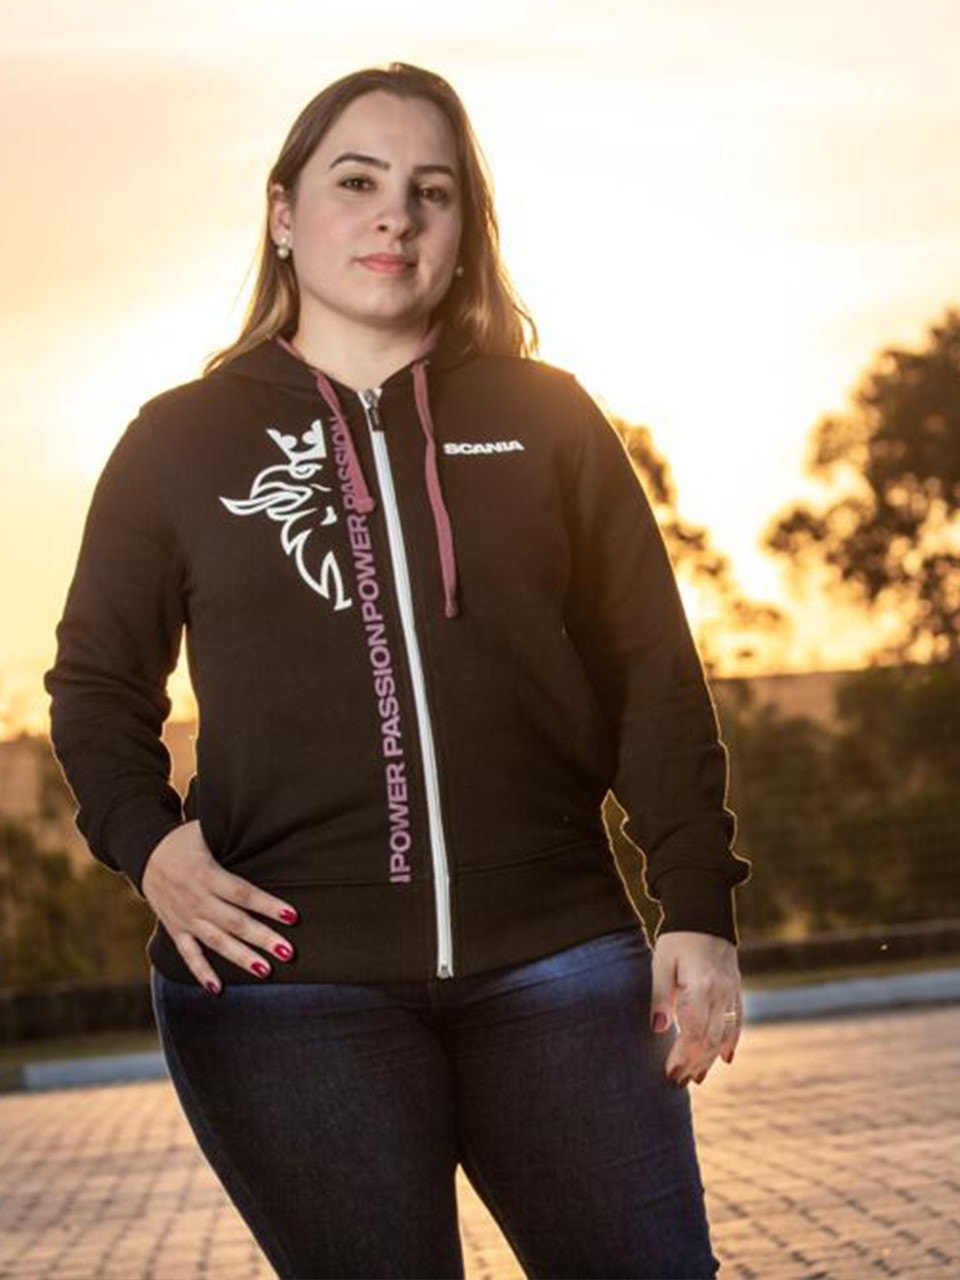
column 276, row 361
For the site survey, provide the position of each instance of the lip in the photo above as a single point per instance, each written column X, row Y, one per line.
column 387, row 264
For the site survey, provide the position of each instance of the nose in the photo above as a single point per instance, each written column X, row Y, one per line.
column 397, row 216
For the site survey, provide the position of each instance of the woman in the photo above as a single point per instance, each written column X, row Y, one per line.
column 430, row 623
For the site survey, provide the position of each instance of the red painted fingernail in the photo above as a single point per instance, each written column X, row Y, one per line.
column 260, row 969
column 283, row 951
column 659, row 1022
column 213, row 988
column 289, row 915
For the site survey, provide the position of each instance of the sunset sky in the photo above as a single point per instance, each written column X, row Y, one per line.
column 718, row 211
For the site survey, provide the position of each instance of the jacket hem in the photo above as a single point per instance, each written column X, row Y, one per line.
column 386, row 933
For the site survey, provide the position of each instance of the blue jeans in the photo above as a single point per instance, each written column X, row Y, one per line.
column 335, row 1115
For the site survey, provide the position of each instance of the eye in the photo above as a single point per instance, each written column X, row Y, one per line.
column 434, row 195
column 356, row 182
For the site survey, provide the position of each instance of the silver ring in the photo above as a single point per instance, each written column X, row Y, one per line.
column 731, row 1015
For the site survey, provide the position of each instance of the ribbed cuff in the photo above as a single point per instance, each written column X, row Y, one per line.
column 699, row 901
column 133, row 832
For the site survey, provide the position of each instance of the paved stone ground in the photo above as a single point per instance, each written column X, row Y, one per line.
column 831, row 1149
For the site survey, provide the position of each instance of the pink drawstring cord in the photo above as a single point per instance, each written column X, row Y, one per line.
column 363, row 498
column 441, row 518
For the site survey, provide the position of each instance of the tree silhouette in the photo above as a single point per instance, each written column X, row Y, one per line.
column 735, row 631
column 890, row 536
column 852, row 821
column 59, row 924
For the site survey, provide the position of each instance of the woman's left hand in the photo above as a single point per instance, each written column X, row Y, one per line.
column 696, row 980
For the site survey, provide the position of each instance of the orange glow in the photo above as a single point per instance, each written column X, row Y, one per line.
column 717, row 215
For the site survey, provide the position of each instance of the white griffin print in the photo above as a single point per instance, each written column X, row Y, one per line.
column 288, row 494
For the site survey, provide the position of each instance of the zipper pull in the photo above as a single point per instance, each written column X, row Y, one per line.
column 371, row 402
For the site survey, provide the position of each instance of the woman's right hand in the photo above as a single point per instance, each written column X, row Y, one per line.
column 199, row 901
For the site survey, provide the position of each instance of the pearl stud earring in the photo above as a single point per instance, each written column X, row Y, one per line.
column 283, row 249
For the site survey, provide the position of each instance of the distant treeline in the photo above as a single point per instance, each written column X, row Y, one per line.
column 850, row 823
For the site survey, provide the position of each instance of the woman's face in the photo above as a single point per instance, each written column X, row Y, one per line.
column 374, row 224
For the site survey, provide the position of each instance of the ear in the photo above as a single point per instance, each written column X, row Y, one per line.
column 281, row 213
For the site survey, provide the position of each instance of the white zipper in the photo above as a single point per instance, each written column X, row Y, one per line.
column 401, row 574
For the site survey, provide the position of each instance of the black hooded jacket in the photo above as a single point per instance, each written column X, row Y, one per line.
column 428, row 627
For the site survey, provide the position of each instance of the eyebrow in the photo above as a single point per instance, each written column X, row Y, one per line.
column 358, row 158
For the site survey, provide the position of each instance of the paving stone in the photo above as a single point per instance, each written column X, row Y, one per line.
column 829, row 1150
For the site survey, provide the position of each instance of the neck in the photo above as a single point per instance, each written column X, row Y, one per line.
column 355, row 355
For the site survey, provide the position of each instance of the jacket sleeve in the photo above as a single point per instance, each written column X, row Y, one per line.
column 627, row 619
column 117, row 644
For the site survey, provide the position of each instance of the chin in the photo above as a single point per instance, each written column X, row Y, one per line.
column 401, row 319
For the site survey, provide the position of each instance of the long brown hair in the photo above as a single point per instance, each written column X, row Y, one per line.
column 481, row 312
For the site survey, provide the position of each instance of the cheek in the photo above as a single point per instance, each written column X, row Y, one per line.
column 326, row 231
column 448, row 244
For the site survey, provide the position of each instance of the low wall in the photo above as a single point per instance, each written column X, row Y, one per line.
column 68, row 1009
column 928, row 939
